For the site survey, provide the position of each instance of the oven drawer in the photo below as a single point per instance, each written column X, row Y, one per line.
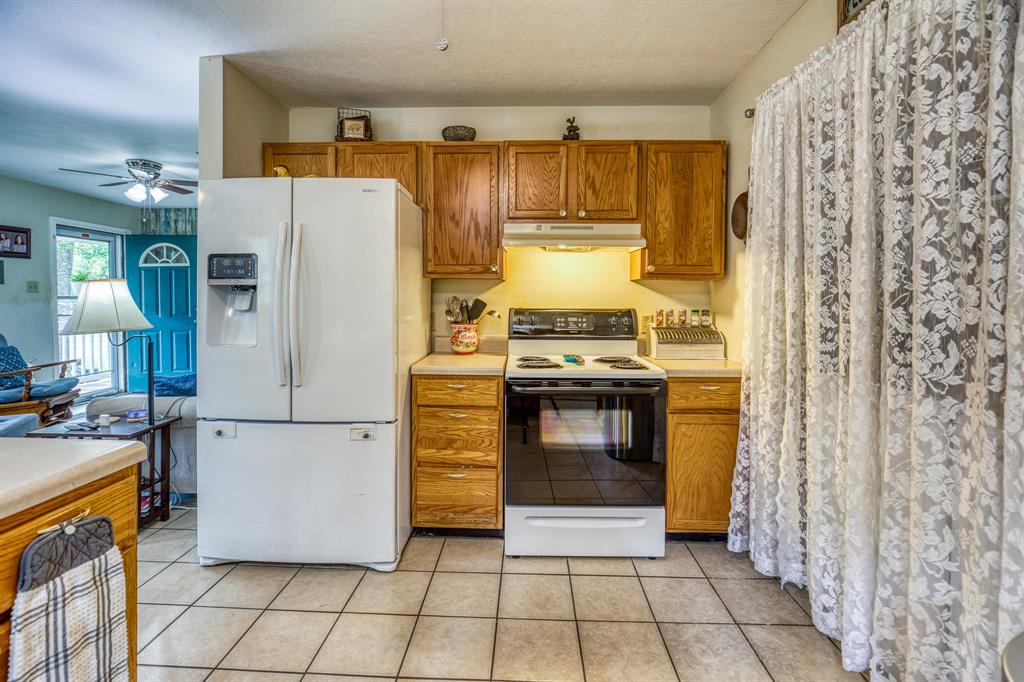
column 457, row 436
column 704, row 393
column 458, row 390
column 456, row 498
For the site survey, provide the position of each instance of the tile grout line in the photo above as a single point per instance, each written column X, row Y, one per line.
column 187, row 606
column 740, row 628
column 576, row 620
column 657, row 626
column 255, row 620
column 497, row 610
column 412, row 633
column 334, row 624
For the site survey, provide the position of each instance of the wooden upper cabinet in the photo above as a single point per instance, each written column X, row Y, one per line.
column 537, row 177
column 398, row 160
column 301, row 160
column 607, row 186
column 463, row 236
column 684, row 212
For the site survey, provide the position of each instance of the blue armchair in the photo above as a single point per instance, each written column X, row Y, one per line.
column 50, row 401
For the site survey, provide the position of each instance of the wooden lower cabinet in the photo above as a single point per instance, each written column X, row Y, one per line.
column 703, row 427
column 114, row 496
column 456, row 452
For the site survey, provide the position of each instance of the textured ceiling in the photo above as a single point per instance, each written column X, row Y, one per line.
column 88, row 83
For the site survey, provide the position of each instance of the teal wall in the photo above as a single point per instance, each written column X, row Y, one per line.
column 25, row 318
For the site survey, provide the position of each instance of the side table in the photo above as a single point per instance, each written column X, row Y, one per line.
column 157, row 480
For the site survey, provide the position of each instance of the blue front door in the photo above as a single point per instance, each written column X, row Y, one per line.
column 162, row 278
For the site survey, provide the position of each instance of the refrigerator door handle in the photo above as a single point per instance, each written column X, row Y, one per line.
column 280, row 317
column 293, row 307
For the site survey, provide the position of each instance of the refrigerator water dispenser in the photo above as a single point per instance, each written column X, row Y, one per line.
column 232, row 314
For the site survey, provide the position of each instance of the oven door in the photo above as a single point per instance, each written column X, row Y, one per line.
column 585, row 443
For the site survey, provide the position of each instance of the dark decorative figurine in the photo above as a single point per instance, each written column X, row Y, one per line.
column 572, row 131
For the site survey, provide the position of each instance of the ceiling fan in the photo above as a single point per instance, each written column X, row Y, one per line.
column 144, row 178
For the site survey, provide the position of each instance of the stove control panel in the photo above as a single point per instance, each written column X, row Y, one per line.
column 591, row 323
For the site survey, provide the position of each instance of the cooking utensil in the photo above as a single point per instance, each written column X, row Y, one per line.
column 493, row 313
column 477, row 309
column 448, row 315
column 464, row 311
column 454, row 308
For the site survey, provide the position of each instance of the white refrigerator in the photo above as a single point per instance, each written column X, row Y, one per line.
column 312, row 307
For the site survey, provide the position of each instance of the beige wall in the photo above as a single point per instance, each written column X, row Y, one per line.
column 236, row 117
column 26, row 319
column 810, row 28
column 512, row 123
column 538, row 279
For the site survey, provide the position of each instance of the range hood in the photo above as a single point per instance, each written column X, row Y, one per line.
column 573, row 236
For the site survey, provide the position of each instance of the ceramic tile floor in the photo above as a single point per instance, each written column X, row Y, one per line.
column 457, row 609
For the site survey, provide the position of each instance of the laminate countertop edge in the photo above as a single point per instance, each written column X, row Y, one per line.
column 698, row 368
column 34, row 470
column 480, row 364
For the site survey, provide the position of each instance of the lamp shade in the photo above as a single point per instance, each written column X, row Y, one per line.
column 105, row 305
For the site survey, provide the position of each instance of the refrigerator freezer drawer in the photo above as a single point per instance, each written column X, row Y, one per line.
column 298, row 493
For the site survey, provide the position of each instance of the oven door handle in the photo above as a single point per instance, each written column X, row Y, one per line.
column 584, row 390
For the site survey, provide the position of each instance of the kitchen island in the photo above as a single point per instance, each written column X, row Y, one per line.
column 45, row 482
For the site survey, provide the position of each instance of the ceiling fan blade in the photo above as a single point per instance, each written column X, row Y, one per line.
column 183, row 183
column 72, row 170
column 115, row 184
column 168, row 186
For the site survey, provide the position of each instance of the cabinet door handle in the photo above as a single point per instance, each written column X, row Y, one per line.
column 494, row 267
column 455, row 475
column 457, row 415
column 457, row 386
column 582, row 214
column 562, row 213
column 710, row 388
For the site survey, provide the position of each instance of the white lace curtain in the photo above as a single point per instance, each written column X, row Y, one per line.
column 880, row 460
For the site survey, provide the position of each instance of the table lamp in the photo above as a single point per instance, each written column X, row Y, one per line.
column 104, row 306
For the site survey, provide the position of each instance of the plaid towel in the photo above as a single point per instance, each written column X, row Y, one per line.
column 72, row 628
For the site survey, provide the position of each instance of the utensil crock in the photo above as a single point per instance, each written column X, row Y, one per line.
column 465, row 338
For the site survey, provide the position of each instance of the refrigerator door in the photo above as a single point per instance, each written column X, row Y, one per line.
column 297, row 493
column 343, row 300
column 243, row 370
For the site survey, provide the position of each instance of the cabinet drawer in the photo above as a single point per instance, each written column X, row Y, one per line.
column 457, row 436
column 704, row 393
column 457, row 390
column 456, row 498
column 114, row 496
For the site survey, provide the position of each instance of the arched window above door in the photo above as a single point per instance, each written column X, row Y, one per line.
column 163, row 255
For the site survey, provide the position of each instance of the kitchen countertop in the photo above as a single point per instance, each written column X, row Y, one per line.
column 699, row 368
column 450, row 363
column 34, row 470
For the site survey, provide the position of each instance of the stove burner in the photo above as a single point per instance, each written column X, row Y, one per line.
column 532, row 358
column 629, row 364
column 613, row 359
column 537, row 364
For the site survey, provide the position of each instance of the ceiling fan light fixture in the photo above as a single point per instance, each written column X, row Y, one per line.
column 136, row 192
column 157, row 194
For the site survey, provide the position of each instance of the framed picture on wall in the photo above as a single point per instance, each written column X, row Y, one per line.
column 848, row 10
column 15, row 242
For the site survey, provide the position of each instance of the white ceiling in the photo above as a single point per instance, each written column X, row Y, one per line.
column 87, row 83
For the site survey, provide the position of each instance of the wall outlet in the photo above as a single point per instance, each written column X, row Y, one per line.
column 32, row 287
